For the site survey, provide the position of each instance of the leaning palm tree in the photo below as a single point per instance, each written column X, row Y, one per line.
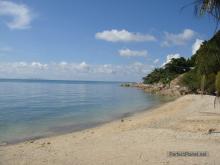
column 210, row 7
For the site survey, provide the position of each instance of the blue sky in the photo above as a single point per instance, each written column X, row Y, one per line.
column 96, row 40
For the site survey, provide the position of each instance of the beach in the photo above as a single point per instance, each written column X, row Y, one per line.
column 187, row 124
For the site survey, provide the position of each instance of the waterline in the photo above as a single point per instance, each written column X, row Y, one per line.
column 47, row 108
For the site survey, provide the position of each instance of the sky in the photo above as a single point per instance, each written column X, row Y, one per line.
column 107, row 40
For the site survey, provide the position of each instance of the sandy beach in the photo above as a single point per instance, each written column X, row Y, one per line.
column 144, row 138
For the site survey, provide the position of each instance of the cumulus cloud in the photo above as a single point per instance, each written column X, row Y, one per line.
column 123, row 36
column 132, row 53
column 196, row 45
column 74, row 71
column 20, row 14
column 178, row 39
column 170, row 57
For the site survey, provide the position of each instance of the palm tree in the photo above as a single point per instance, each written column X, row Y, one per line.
column 210, row 7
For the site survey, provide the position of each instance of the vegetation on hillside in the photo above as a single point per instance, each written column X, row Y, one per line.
column 200, row 71
column 169, row 71
column 207, row 65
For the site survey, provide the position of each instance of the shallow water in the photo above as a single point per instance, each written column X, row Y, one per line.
column 36, row 108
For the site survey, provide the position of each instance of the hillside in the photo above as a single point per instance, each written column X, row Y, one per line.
column 198, row 72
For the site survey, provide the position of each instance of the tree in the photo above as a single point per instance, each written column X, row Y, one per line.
column 206, row 63
column 217, row 86
column 178, row 65
column 210, row 7
column 168, row 72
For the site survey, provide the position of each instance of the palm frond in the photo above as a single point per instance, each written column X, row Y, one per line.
column 210, row 7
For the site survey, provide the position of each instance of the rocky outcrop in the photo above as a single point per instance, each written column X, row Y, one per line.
column 173, row 89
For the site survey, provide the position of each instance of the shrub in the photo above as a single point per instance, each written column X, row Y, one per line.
column 192, row 80
column 210, row 83
column 217, row 84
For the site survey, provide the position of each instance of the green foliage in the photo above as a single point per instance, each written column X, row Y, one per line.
column 155, row 76
column 208, row 59
column 210, row 83
column 206, row 66
column 195, row 82
column 202, row 84
column 217, row 83
column 168, row 72
column 192, row 80
column 178, row 66
column 199, row 71
column 211, row 7
column 208, row 56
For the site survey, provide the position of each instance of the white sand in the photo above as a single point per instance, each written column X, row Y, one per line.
column 144, row 138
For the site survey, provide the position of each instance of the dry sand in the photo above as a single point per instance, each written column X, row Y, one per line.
column 145, row 138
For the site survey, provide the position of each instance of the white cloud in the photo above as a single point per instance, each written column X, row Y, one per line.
column 74, row 71
column 170, row 57
column 132, row 53
column 17, row 65
column 139, row 68
column 123, row 36
column 20, row 13
column 196, row 45
column 63, row 63
column 156, row 61
column 38, row 65
column 83, row 66
column 105, row 69
column 178, row 39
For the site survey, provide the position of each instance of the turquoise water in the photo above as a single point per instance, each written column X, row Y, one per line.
column 36, row 108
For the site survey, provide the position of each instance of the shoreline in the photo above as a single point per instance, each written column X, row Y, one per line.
column 174, row 89
column 94, row 125
column 179, row 125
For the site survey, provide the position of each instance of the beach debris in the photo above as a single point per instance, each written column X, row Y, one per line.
column 45, row 143
column 211, row 130
column 122, row 120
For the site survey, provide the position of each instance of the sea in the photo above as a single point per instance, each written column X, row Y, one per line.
column 31, row 109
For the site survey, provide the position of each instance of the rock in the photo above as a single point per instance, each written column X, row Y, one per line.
column 211, row 130
column 173, row 89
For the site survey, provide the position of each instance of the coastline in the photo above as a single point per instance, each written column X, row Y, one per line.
column 174, row 89
column 142, row 138
column 66, row 129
